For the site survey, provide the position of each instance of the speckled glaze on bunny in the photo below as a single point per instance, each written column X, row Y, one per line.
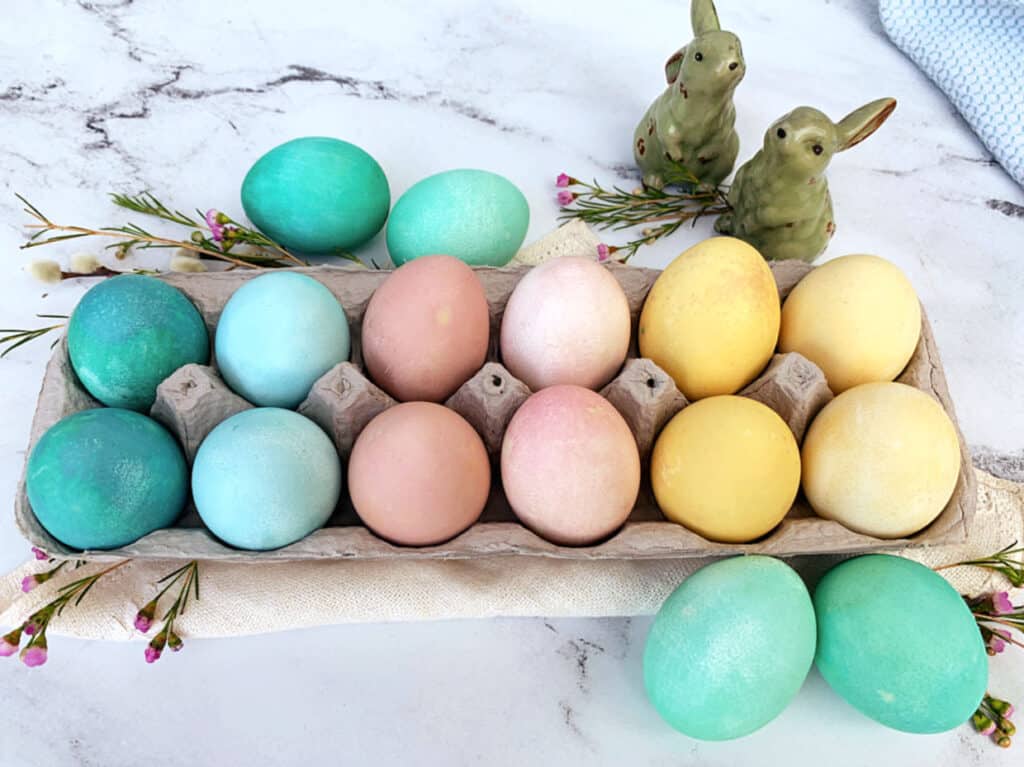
column 689, row 129
column 780, row 199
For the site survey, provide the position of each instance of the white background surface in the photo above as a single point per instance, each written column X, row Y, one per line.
column 182, row 97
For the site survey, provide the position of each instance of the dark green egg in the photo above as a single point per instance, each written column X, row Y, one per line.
column 105, row 477
column 128, row 334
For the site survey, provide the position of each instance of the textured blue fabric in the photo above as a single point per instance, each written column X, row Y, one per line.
column 974, row 51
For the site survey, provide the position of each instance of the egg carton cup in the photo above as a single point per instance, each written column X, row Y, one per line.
column 194, row 399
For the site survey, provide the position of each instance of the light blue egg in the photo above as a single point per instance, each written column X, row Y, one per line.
column 265, row 478
column 474, row 215
column 317, row 195
column 730, row 648
column 278, row 333
column 897, row 642
column 105, row 477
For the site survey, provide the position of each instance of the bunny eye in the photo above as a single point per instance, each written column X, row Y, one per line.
column 698, row 56
column 816, row 149
column 781, row 133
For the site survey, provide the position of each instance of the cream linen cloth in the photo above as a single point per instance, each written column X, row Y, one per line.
column 238, row 599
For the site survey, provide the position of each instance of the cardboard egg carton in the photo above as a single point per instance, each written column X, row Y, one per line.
column 194, row 399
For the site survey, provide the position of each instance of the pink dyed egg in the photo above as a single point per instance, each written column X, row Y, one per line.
column 570, row 465
column 426, row 329
column 566, row 322
column 418, row 474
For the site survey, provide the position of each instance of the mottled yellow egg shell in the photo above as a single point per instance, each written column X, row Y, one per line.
column 711, row 320
column 857, row 318
column 726, row 467
column 882, row 459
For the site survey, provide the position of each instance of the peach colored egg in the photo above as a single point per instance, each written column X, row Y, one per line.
column 570, row 465
column 566, row 322
column 418, row 474
column 426, row 329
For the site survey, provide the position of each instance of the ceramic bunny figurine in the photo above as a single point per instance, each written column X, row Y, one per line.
column 689, row 127
column 780, row 199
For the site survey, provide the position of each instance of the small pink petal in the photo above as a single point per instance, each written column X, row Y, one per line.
column 28, row 583
column 997, row 644
column 30, row 629
column 602, row 252
column 33, row 656
column 152, row 655
column 565, row 197
column 6, row 648
column 211, row 217
column 143, row 622
column 562, row 181
column 40, row 554
column 1001, row 603
column 989, row 730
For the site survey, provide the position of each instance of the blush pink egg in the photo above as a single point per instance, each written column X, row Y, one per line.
column 570, row 465
column 566, row 322
column 426, row 328
column 419, row 474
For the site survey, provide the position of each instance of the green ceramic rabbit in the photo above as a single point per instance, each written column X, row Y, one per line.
column 689, row 127
column 780, row 199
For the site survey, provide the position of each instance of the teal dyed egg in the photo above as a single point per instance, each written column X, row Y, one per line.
column 474, row 215
column 129, row 333
column 317, row 195
column 265, row 478
column 730, row 648
column 899, row 644
column 105, row 477
column 278, row 333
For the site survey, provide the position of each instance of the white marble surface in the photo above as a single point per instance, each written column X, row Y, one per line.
column 180, row 97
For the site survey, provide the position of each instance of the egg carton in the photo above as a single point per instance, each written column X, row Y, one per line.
column 194, row 399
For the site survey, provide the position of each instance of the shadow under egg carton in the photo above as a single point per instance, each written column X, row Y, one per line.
column 194, row 399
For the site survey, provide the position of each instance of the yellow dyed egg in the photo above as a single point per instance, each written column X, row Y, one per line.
column 882, row 459
column 857, row 318
column 711, row 320
column 726, row 467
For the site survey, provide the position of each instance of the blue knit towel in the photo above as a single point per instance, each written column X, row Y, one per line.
column 974, row 51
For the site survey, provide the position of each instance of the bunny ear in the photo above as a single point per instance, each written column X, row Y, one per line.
column 861, row 123
column 674, row 64
column 703, row 17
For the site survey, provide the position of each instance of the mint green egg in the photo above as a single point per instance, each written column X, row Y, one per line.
column 105, row 477
column 475, row 215
column 317, row 195
column 899, row 644
column 129, row 333
column 730, row 648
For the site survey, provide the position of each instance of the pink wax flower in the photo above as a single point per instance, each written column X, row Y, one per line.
column 152, row 654
column 9, row 643
column 143, row 622
column 34, row 655
column 1001, row 604
column 174, row 642
column 565, row 197
column 40, row 554
column 563, row 180
column 28, row 583
column 603, row 252
column 216, row 227
column 30, row 628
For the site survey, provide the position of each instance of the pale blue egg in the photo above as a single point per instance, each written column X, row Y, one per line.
column 278, row 333
column 730, row 648
column 265, row 478
column 474, row 215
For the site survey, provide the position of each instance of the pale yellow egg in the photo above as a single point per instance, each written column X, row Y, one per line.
column 711, row 320
column 726, row 467
column 857, row 318
column 881, row 458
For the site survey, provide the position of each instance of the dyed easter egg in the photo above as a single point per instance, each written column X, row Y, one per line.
column 103, row 478
column 419, row 474
column 857, row 318
column 883, row 459
column 477, row 216
column 711, row 319
column 730, row 648
column 570, row 466
column 426, row 328
column 317, row 195
column 278, row 333
column 130, row 332
column 265, row 478
column 898, row 643
column 726, row 467
column 566, row 322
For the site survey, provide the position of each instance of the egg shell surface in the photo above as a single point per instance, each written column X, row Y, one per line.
column 711, row 319
column 883, row 459
column 726, row 467
column 730, row 648
column 857, row 318
column 566, row 322
column 899, row 644
column 105, row 477
column 475, row 215
column 278, row 333
column 426, row 329
column 130, row 332
column 570, row 465
column 265, row 478
column 419, row 474
column 317, row 195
